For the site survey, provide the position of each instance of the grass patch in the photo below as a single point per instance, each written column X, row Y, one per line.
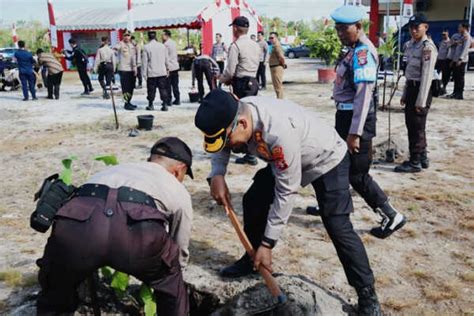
column 14, row 278
column 441, row 292
column 468, row 224
column 420, row 274
column 400, row 304
column 468, row 276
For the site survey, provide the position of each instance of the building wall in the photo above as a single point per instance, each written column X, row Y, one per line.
column 445, row 10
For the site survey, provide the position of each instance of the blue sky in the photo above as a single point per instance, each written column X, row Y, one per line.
column 13, row 10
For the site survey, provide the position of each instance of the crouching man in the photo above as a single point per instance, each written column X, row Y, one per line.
column 135, row 218
column 300, row 149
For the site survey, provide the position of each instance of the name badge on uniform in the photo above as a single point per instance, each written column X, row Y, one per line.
column 365, row 67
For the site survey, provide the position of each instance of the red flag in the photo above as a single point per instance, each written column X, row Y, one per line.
column 52, row 25
column 14, row 36
column 130, row 25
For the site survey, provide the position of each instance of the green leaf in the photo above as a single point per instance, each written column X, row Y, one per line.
column 146, row 295
column 109, row 160
column 66, row 174
column 107, row 272
column 120, row 282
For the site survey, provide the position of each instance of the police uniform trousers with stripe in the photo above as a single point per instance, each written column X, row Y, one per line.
column 359, row 176
column 335, row 202
column 91, row 232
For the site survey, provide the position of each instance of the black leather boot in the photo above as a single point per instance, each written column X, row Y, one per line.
column 240, row 268
column 392, row 220
column 424, row 160
column 368, row 302
column 410, row 166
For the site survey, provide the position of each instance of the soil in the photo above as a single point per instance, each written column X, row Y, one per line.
column 426, row 268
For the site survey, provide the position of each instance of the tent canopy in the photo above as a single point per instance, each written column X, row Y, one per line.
column 144, row 16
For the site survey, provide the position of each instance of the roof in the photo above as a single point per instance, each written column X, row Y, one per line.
column 144, row 16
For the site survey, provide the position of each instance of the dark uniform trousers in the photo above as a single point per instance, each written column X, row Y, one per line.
column 84, row 76
column 244, row 87
column 221, row 66
column 173, row 85
column 360, row 162
column 335, row 202
column 162, row 84
column 444, row 66
column 203, row 68
column 139, row 75
column 416, row 122
column 90, row 232
column 261, row 75
column 106, row 73
column 54, row 83
column 127, row 82
column 459, row 72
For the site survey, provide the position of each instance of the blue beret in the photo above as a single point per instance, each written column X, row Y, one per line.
column 348, row 14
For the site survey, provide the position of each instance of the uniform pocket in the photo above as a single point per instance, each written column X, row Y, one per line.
column 80, row 208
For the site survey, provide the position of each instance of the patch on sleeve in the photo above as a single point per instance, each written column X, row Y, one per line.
column 365, row 67
column 426, row 54
column 279, row 158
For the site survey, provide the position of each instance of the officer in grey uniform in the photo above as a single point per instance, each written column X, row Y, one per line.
column 354, row 91
column 442, row 63
column 421, row 55
column 460, row 59
column 243, row 61
column 105, row 66
column 300, row 149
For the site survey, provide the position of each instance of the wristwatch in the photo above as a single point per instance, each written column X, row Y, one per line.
column 268, row 243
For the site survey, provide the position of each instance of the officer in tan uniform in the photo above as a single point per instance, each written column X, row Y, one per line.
column 133, row 217
column 421, row 55
column 138, row 55
column 300, row 149
column 243, row 61
column 127, row 68
column 277, row 64
column 105, row 66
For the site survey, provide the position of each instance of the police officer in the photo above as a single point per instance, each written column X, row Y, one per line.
column 460, row 59
column 79, row 59
column 421, row 55
column 138, row 50
column 204, row 66
column 127, row 69
column 261, row 73
column 105, row 66
column 442, row 63
column 300, row 149
column 242, row 65
column 155, row 71
column 219, row 52
column 173, row 76
column 277, row 64
column 353, row 93
column 135, row 218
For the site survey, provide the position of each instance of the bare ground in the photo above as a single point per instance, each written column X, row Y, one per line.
column 427, row 268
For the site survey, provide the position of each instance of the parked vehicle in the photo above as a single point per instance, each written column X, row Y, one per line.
column 298, row 51
column 8, row 52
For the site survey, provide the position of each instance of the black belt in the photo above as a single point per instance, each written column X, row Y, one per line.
column 413, row 83
column 125, row 194
column 273, row 66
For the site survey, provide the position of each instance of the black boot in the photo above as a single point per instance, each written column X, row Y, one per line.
column 129, row 107
column 368, row 302
column 105, row 95
column 313, row 210
column 164, row 108
column 150, row 107
column 409, row 166
column 247, row 159
column 240, row 268
column 424, row 160
column 392, row 221
column 177, row 102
